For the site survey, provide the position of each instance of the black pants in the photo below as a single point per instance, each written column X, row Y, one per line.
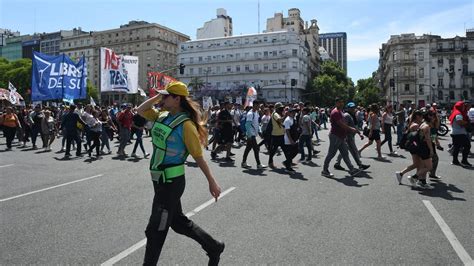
column 290, row 152
column 252, row 144
column 69, row 139
column 95, row 138
column 277, row 141
column 461, row 141
column 167, row 212
column 388, row 136
column 9, row 133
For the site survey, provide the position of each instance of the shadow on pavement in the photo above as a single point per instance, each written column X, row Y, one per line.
column 348, row 181
column 257, row 172
column 441, row 190
column 383, row 160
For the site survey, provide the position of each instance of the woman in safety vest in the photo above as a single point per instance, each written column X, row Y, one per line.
column 176, row 132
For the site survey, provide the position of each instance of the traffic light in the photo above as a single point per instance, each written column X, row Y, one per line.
column 293, row 82
column 392, row 83
column 181, row 68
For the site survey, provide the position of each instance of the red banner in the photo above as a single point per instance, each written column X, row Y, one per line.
column 157, row 81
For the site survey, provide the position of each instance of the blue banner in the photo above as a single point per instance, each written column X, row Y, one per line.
column 58, row 77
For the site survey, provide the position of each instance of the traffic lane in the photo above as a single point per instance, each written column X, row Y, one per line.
column 100, row 206
column 275, row 218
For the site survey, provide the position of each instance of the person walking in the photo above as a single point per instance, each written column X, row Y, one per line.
column 290, row 149
column 401, row 116
column 10, row 122
column 374, row 130
column 139, row 125
column 108, row 129
column 306, row 134
column 226, row 133
column 36, row 116
column 459, row 122
column 49, row 129
column 251, row 131
column 337, row 135
column 69, row 126
column 278, row 132
column 95, row 131
column 176, row 133
column 351, row 121
column 387, row 121
column 125, row 120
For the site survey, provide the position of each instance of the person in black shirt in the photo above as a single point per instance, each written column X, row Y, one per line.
column 138, row 126
column 69, row 125
column 224, row 122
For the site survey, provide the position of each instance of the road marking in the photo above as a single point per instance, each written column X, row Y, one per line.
column 1, row 166
column 142, row 242
column 45, row 189
column 453, row 240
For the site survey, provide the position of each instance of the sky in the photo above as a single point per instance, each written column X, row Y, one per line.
column 368, row 23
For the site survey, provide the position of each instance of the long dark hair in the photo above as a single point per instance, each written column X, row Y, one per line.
column 194, row 110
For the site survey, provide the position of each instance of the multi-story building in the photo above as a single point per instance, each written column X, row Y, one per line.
column 77, row 46
column 336, row 45
column 5, row 34
column 18, row 47
column 30, row 46
column 275, row 62
column 50, row 42
column 218, row 27
column 310, row 34
column 428, row 68
column 155, row 46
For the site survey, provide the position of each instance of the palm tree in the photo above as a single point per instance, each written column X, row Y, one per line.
column 196, row 84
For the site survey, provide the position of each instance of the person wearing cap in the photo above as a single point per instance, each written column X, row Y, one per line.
column 350, row 118
column 278, row 132
column 337, row 136
column 177, row 132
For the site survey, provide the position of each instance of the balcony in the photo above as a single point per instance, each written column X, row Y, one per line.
column 406, row 77
column 468, row 73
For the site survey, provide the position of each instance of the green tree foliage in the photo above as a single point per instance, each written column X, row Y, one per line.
column 367, row 92
column 18, row 73
column 92, row 91
column 331, row 83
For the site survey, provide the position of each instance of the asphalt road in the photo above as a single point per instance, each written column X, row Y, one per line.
column 84, row 211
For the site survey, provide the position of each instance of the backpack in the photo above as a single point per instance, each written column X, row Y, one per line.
column 295, row 131
column 411, row 141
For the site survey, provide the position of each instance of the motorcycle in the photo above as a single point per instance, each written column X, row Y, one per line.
column 443, row 130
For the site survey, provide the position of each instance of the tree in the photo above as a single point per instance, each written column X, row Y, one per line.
column 92, row 91
column 196, row 84
column 367, row 92
column 331, row 83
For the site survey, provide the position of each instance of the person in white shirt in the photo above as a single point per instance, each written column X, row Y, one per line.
column 236, row 114
column 251, row 128
column 291, row 137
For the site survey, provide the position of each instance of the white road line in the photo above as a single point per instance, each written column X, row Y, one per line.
column 142, row 242
column 1, row 166
column 45, row 189
column 462, row 254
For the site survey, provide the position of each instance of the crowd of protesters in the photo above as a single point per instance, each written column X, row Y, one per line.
column 292, row 128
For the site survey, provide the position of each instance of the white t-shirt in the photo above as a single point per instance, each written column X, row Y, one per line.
column 470, row 113
column 287, row 124
column 251, row 123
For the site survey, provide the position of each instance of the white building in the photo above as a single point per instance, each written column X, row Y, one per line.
column 271, row 61
column 218, row 27
column 428, row 68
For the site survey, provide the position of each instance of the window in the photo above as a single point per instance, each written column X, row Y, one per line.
column 191, row 60
column 147, row 44
column 294, row 65
column 407, row 87
column 440, row 83
column 294, row 52
column 451, row 95
column 275, row 66
column 265, row 67
column 218, row 69
column 247, row 68
column 191, row 71
column 256, row 54
column 421, row 55
column 440, row 95
column 255, row 67
column 421, row 72
column 421, row 90
column 283, row 65
column 200, row 71
column 246, row 55
column 200, row 59
column 274, row 53
column 246, row 40
column 265, row 39
column 229, row 68
column 265, row 54
column 237, row 68
column 407, row 55
column 208, row 58
column 237, row 56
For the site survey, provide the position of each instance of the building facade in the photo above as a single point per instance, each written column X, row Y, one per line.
column 275, row 62
column 308, row 32
column 50, row 42
column 155, row 46
column 428, row 68
column 336, row 45
column 221, row 26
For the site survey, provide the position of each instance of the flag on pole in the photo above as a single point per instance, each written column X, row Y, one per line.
column 92, row 101
column 251, row 96
column 12, row 98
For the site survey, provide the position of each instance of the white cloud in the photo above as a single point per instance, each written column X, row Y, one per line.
column 448, row 23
